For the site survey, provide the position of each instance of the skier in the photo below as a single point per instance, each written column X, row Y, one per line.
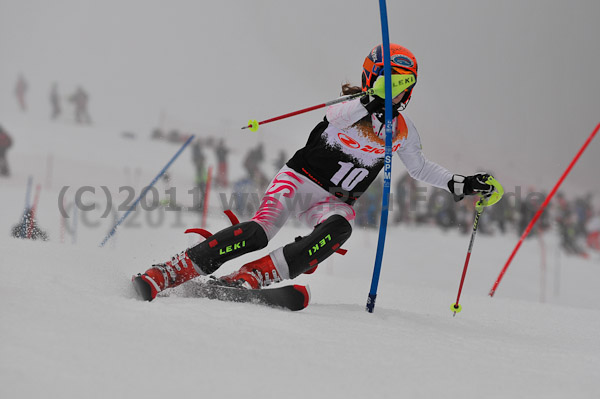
column 318, row 186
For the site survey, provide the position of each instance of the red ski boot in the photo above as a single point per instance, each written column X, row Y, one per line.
column 164, row 275
column 254, row 275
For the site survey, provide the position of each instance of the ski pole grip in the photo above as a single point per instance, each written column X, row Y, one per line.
column 495, row 196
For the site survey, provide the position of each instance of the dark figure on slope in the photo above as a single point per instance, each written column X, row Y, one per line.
column 80, row 100
column 20, row 92
column 199, row 161
column 5, row 144
column 252, row 164
column 55, row 101
column 221, row 152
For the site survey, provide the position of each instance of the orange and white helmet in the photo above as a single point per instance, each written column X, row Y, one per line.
column 402, row 62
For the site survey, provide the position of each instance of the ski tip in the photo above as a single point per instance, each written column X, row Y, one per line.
column 305, row 290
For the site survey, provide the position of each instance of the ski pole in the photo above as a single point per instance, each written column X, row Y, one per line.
column 399, row 84
column 542, row 207
column 479, row 207
column 253, row 124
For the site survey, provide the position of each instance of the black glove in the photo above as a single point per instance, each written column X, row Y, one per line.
column 468, row 185
column 376, row 105
column 373, row 104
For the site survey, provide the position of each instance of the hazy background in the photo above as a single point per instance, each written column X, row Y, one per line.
column 511, row 87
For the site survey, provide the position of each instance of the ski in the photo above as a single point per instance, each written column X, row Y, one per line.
column 292, row 297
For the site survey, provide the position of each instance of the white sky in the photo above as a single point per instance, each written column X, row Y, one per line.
column 511, row 87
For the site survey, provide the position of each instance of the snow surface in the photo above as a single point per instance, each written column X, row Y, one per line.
column 71, row 327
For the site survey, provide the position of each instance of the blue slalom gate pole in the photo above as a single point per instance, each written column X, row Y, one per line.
column 145, row 190
column 387, row 168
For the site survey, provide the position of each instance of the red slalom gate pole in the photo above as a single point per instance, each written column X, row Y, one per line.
column 542, row 207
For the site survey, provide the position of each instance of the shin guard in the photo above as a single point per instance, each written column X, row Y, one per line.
column 228, row 244
column 307, row 252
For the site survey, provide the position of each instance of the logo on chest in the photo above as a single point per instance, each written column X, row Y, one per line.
column 374, row 148
column 348, row 141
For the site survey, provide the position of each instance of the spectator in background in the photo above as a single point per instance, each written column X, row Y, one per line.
column 80, row 100
column 55, row 101
column 567, row 228
column 5, row 144
column 582, row 206
column 593, row 235
column 157, row 134
column 442, row 208
column 199, row 160
column 465, row 211
column 252, row 163
column 529, row 208
column 221, row 152
column 21, row 91
column 405, row 197
column 174, row 136
column 368, row 207
column 281, row 160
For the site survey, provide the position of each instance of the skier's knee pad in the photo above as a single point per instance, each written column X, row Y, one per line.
column 228, row 244
column 307, row 252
